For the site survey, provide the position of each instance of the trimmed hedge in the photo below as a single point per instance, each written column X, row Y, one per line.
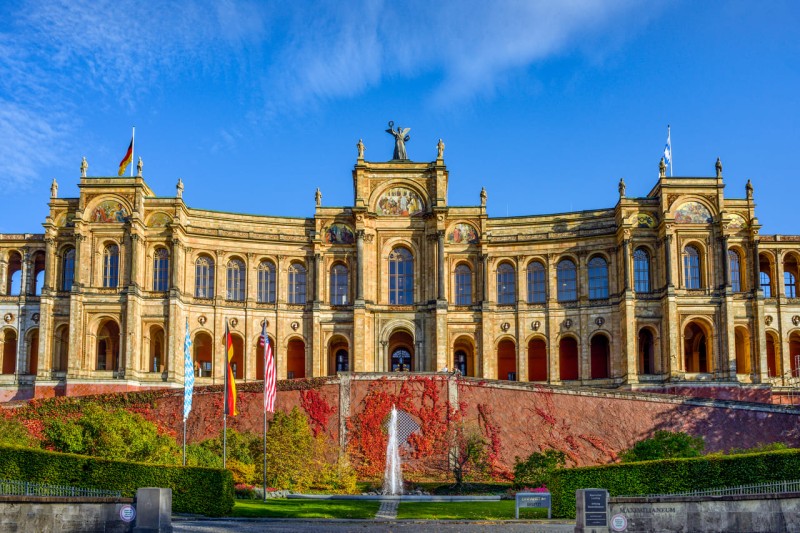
column 195, row 490
column 672, row 475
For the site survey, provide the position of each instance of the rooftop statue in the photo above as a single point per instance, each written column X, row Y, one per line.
column 401, row 137
column 139, row 166
column 440, row 150
column 84, row 167
column 718, row 166
column 662, row 169
column 360, row 146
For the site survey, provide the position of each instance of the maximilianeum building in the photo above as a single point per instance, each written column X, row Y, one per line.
column 677, row 287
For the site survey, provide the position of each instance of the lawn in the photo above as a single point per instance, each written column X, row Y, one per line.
column 280, row 508
column 491, row 510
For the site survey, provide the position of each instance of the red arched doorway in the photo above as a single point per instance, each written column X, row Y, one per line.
column 537, row 360
column 601, row 356
column 296, row 359
column 507, row 360
column 568, row 359
column 203, row 355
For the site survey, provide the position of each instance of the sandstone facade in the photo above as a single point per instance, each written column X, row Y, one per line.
column 675, row 287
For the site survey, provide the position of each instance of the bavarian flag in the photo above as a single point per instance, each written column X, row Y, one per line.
column 230, row 382
column 127, row 159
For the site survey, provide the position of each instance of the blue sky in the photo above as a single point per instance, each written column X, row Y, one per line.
column 256, row 104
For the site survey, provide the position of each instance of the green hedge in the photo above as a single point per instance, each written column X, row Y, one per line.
column 195, row 490
column 673, row 475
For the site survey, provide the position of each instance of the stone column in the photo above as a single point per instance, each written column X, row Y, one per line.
column 360, row 265
column 440, row 261
column 756, row 270
column 668, row 259
column 726, row 271
column 485, row 274
column 383, row 354
column 25, row 282
column 626, row 266
column 315, row 262
column 51, row 268
column 3, row 276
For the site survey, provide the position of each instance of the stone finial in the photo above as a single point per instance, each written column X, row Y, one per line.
column 440, row 150
column 483, row 196
column 318, row 197
column 360, row 146
column 54, row 187
column 84, row 167
column 621, row 188
column 718, row 168
column 139, row 167
column 179, row 188
column 749, row 190
column 662, row 169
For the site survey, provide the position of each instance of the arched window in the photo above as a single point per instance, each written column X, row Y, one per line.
column 598, row 278
column 641, row 271
column 111, row 266
column 567, row 281
column 68, row 270
column 236, row 280
column 691, row 267
column 506, row 284
column 766, row 285
column 401, row 277
column 297, row 284
column 790, row 283
column 735, row 267
column 537, row 288
column 463, row 285
column 339, row 284
column 790, row 272
column 266, row 282
column 161, row 270
column 204, row 277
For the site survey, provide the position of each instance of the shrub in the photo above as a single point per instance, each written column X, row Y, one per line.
column 537, row 468
column 671, row 476
column 13, row 433
column 194, row 490
column 664, row 445
column 111, row 434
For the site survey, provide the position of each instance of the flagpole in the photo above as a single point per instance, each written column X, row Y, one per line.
column 669, row 139
column 184, row 442
column 266, row 343
column 225, row 403
column 133, row 147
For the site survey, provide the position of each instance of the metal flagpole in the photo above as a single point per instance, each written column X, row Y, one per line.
column 184, row 442
column 133, row 147
column 225, row 403
column 264, row 355
column 669, row 139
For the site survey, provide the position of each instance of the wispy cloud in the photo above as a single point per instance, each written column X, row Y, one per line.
column 57, row 58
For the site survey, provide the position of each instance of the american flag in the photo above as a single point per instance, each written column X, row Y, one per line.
column 270, row 385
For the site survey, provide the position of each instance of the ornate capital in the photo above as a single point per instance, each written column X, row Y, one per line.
column 360, row 233
column 369, row 237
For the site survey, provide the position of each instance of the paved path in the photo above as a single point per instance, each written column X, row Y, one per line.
column 387, row 510
column 282, row 525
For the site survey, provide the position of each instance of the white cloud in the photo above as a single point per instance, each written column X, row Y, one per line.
column 57, row 58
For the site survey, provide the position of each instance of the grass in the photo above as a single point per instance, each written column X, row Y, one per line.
column 491, row 510
column 280, row 508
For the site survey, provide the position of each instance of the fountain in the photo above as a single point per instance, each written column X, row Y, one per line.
column 393, row 476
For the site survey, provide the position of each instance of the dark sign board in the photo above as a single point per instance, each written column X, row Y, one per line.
column 595, row 507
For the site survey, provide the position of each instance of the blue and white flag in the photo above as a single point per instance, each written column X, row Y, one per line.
column 188, row 374
column 668, row 152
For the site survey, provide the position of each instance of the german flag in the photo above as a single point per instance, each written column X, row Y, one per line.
column 127, row 160
column 230, row 382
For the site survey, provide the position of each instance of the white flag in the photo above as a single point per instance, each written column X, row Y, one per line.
column 668, row 151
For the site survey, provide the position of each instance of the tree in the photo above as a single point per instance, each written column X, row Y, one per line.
column 664, row 445
column 468, row 456
column 534, row 471
column 290, row 447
